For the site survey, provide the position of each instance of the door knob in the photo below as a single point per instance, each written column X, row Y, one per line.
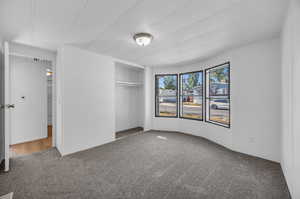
column 10, row 106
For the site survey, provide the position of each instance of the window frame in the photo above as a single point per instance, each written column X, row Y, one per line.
column 207, row 97
column 180, row 95
column 156, row 96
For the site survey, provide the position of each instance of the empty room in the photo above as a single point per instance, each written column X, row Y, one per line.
column 154, row 99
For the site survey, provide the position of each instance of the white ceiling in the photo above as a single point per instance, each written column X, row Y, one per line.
column 183, row 30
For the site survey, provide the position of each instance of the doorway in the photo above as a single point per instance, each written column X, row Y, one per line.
column 31, row 95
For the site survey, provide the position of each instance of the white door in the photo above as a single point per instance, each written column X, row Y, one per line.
column 29, row 95
column 2, row 107
column 6, row 106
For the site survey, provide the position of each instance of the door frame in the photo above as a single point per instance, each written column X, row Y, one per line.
column 7, row 100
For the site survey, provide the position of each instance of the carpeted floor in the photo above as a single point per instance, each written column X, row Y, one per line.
column 158, row 165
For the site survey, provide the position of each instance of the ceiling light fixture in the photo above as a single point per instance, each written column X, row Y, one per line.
column 48, row 72
column 143, row 39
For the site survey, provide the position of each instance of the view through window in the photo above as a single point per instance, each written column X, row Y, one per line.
column 166, row 95
column 218, row 94
column 191, row 95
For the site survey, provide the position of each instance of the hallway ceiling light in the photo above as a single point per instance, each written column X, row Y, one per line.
column 143, row 39
column 49, row 72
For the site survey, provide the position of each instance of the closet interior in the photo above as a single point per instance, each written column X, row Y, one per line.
column 129, row 99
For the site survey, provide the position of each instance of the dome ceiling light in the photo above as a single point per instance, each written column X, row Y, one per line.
column 48, row 72
column 143, row 39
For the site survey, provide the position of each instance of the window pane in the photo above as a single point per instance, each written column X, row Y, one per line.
column 166, row 95
column 166, row 106
column 218, row 94
column 167, row 85
column 219, row 110
column 191, row 107
column 191, row 83
column 219, row 81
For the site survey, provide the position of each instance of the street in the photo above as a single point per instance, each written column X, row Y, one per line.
column 192, row 110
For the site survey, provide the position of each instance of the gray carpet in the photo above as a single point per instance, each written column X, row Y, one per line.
column 158, row 165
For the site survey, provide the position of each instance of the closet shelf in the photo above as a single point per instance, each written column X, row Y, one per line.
column 124, row 83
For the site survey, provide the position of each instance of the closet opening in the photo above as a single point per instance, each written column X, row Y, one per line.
column 129, row 100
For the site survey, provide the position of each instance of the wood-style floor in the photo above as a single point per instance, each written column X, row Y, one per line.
column 32, row 146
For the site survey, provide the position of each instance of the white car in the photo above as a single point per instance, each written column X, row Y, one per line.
column 220, row 104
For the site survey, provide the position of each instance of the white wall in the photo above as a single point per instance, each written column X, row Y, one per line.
column 255, row 101
column 57, row 105
column 49, row 100
column 148, row 98
column 128, row 107
column 129, row 100
column 290, row 141
column 85, row 88
column 29, row 117
column 30, row 51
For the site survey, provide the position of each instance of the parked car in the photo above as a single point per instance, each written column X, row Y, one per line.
column 168, row 99
column 220, row 104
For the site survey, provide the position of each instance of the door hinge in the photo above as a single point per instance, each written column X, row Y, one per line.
column 10, row 106
column 7, row 106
